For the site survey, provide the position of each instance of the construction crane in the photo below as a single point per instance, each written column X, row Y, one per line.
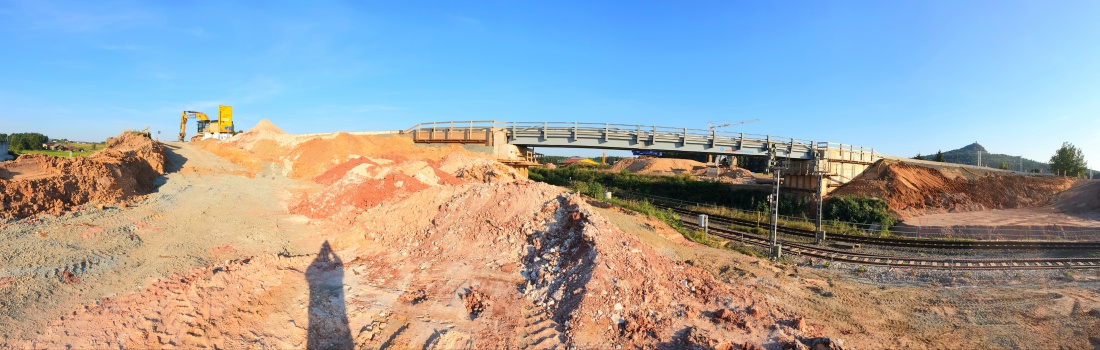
column 221, row 128
column 712, row 126
column 711, row 161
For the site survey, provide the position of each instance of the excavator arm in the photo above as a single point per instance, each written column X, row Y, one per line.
column 183, row 126
column 183, row 121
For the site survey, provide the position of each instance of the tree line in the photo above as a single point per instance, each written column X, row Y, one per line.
column 1068, row 160
column 25, row 141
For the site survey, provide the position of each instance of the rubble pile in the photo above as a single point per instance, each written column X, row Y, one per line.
column 37, row 183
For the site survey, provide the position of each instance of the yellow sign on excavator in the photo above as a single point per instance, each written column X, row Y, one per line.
column 221, row 128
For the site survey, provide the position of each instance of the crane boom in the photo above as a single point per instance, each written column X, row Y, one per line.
column 712, row 126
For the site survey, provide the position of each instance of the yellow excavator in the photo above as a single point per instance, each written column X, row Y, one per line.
column 221, row 128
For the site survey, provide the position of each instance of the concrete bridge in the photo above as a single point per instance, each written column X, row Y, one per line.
column 810, row 165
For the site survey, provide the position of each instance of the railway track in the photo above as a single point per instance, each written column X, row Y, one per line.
column 909, row 262
column 904, row 242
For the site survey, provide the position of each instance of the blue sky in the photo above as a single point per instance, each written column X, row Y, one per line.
column 901, row 76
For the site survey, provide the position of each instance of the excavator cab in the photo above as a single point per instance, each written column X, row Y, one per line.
column 205, row 128
column 202, row 126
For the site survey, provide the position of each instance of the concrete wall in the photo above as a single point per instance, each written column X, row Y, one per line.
column 4, row 152
column 503, row 150
column 800, row 174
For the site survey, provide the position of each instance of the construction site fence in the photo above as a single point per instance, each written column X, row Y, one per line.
column 1044, row 233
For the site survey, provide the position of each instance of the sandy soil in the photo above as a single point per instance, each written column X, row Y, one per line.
column 55, row 265
column 673, row 166
column 1078, row 206
column 885, row 308
column 342, row 240
column 122, row 171
column 29, row 170
column 913, row 190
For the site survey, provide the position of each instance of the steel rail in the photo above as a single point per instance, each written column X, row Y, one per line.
column 912, row 262
column 906, row 242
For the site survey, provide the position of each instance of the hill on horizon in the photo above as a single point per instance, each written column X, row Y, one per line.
column 969, row 155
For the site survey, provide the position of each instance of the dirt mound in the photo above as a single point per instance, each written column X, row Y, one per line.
column 594, row 283
column 267, row 126
column 913, row 190
column 658, row 166
column 308, row 156
column 46, row 184
column 358, row 171
column 487, row 171
column 1082, row 198
column 673, row 166
column 364, row 182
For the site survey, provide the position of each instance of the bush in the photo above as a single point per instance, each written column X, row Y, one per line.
column 864, row 210
column 681, row 186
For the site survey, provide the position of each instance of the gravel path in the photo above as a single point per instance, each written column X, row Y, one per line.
column 55, row 263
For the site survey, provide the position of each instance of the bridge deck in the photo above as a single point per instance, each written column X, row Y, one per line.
column 638, row 137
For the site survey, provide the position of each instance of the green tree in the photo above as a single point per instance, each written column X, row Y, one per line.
column 26, row 141
column 3, row 137
column 1003, row 166
column 1068, row 161
column 918, row 156
column 939, row 156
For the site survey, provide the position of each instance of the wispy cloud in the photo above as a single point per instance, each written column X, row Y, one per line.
column 72, row 18
column 466, row 20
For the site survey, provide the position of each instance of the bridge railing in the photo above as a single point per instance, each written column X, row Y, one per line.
column 468, row 124
column 846, row 152
column 647, row 130
column 475, row 128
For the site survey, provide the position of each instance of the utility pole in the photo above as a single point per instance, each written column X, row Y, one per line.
column 776, row 249
column 820, row 194
column 774, row 216
column 979, row 149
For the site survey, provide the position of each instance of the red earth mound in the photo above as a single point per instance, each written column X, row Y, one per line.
column 37, row 183
column 913, row 190
column 673, row 166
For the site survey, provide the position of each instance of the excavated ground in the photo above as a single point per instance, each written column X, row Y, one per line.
column 913, row 190
column 673, row 166
column 959, row 202
column 339, row 240
column 38, row 183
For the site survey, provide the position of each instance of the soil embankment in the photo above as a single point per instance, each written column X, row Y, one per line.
column 673, row 166
column 913, row 190
column 37, row 183
column 341, row 241
column 427, row 247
